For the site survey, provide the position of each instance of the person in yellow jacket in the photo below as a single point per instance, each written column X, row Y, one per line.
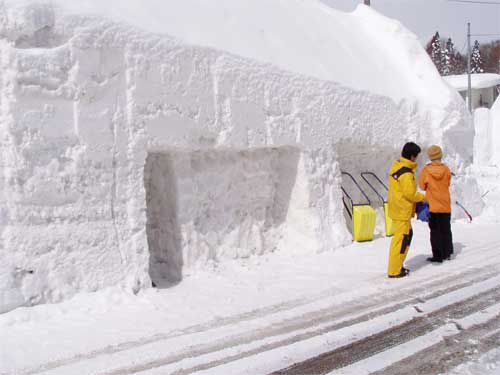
column 402, row 198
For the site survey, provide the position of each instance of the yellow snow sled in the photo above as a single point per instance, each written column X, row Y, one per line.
column 363, row 215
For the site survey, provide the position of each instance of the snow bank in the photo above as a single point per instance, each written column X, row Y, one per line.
column 487, row 136
column 495, row 132
column 305, row 37
column 483, row 143
column 486, row 165
column 129, row 156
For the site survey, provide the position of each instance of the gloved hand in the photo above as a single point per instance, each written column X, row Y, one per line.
column 423, row 213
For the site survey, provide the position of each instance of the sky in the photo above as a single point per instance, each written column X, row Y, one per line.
column 425, row 17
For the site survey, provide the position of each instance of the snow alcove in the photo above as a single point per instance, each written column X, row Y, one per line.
column 208, row 205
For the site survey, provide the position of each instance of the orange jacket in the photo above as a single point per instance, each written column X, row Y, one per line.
column 435, row 180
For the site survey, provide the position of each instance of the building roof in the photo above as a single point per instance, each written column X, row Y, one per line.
column 478, row 81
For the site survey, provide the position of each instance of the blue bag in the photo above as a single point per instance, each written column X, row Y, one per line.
column 423, row 211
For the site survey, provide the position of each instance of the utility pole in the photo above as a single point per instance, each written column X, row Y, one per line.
column 367, row 2
column 469, row 85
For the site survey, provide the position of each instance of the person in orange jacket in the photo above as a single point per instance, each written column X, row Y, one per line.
column 403, row 196
column 435, row 180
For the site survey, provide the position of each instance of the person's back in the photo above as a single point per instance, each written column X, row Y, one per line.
column 435, row 180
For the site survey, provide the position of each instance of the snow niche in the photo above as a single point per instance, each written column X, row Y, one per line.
column 357, row 161
column 207, row 206
column 129, row 157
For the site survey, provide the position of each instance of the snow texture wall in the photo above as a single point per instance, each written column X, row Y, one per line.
column 127, row 156
column 483, row 142
column 487, row 136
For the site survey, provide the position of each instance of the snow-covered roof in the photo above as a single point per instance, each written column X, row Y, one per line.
column 478, row 81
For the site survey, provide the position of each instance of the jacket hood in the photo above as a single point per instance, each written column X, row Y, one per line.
column 436, row 170
column 403, row 162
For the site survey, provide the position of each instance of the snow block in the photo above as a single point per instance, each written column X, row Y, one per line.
column 128, row 156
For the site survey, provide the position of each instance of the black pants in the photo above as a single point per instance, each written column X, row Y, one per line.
column 441, row 238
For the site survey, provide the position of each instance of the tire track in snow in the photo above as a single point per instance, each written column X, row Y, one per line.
column 453, row 331
column 307, row 320
column 282, row 329
column 451, row 352
column 390, row 338
column 260, row 356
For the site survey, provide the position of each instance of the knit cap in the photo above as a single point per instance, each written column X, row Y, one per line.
column 434, row 152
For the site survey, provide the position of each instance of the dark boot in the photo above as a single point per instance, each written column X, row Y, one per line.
column 434, row 260
column 404, row 272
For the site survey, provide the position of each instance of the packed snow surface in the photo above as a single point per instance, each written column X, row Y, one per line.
column 487, row 364
column 132, row 154
column 478, row 81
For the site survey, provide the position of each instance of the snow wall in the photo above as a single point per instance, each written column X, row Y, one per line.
column 129, row 156
column 487, row 131
column 487, row 157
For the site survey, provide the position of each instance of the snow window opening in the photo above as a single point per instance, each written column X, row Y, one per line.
column 210, row 205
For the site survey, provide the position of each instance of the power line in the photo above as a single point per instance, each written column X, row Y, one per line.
column 475, row 2
column 481, row 2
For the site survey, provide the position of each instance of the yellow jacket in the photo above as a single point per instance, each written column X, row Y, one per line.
column 403, row 190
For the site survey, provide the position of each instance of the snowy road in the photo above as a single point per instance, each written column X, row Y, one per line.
column 450, row 336
column 328, row 321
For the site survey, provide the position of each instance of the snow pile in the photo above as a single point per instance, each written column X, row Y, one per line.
column 483, row 142
column 495, row 133
column 309, row 38
column 329, row 49
column 129, row 156
column 487, row 136
column 487, row 157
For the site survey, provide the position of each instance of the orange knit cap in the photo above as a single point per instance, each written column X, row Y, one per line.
column 434, row 152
